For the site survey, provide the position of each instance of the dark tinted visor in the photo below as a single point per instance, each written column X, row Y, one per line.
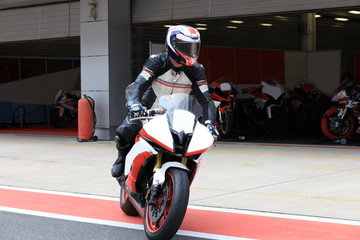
column 190, row 49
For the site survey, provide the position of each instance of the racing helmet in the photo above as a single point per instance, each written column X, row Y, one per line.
column 183, row 44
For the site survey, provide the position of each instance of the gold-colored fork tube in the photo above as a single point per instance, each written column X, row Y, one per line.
column 158, row 161
column 184, row 161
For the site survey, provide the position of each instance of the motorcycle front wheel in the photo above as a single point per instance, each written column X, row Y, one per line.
column 57, row 120
column 227, row 123
column 162, row 220
column 335, row 128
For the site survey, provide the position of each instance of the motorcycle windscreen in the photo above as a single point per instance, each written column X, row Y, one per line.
column 183, row 121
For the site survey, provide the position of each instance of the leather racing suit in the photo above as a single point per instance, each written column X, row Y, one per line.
column 159, row 77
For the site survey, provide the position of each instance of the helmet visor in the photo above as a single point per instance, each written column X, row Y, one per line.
column 190, row 49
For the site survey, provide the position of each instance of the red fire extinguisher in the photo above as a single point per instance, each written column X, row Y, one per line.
column 86, row 119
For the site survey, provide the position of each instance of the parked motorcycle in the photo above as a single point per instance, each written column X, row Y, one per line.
column 223, row 96
column 162, row 164
column 65, row 108
column 264, row 109
column 305, row 105
column 342, row 121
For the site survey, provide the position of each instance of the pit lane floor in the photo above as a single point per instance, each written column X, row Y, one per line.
column 308, row 183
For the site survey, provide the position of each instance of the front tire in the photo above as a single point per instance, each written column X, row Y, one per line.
column 227, row 123
column 335, row 128
column 162, row 221
column 57, row 121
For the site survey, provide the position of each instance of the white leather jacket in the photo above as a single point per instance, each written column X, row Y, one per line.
column 159, row 77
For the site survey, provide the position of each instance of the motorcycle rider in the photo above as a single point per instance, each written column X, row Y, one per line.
column 173, row 71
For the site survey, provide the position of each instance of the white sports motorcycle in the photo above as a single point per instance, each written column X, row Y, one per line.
column 162, row 164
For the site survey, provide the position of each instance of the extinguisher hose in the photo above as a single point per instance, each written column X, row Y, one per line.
column 93, row 110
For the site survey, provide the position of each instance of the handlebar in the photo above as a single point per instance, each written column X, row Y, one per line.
column 148, row 114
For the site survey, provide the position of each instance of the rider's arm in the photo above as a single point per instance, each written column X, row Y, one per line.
column 201, row 92
column 152, row 66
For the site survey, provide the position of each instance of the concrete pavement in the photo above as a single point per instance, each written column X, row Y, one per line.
column 310, row 180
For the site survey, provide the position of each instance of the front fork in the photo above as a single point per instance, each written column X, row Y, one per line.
column 159, row 176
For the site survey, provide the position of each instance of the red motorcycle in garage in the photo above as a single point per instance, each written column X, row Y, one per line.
column 162, row 164
column 264, row 110
column 342, row 121
column 223, row 96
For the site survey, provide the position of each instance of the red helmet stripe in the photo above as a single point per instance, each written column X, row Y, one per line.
column 191, row 30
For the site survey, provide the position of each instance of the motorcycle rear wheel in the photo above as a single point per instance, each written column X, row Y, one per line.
column 171, row 206
column 344, row 130
column 126, row 205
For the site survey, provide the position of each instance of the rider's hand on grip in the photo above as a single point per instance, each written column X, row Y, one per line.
column 212, row 129
column 136, row 110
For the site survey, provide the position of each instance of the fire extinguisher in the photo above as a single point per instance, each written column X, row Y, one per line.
column 86, row 119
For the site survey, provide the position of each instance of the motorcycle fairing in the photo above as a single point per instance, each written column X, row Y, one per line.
column 340, row 96
column 157, row 130
column 274, row 91
column 201, row 140
column 134, row 160
column 216, row 103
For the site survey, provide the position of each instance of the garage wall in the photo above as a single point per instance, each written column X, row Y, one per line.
column 163, row 10
column 40, row 22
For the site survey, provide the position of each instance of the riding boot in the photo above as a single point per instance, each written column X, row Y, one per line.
column 118, row 167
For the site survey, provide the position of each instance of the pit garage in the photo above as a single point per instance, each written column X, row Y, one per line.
column 243, row 43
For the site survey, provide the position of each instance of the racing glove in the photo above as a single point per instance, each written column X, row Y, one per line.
column 135, row 109
column 212, row 129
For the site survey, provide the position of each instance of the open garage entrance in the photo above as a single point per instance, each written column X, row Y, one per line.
column 242, row 49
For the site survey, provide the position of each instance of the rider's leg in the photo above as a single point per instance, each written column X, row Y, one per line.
column 123, row 148
column 124, row 138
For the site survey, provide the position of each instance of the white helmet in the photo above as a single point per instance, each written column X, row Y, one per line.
column 183, row 44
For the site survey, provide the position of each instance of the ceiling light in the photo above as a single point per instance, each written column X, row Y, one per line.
column 282, row 18
column 201, row 28
column 231, row 27
column 201, row 24
column 354, row 12
column 318, row 16
column 237, row 21
column 266, row 24
column 167, row 26
column 341, row 19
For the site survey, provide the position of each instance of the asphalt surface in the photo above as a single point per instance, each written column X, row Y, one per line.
column 21, row 226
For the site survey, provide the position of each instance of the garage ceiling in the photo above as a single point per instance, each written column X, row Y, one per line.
column 284, row 33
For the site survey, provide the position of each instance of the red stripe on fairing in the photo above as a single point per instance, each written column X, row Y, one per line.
column 135, row 168
column 146, row 135
column 231, row 224
column 198, row 151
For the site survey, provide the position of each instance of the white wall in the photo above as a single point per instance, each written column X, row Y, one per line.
column 295, row 68
column 106, row 61
column 40, row 22
column 39, row 90
column 324, row 69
